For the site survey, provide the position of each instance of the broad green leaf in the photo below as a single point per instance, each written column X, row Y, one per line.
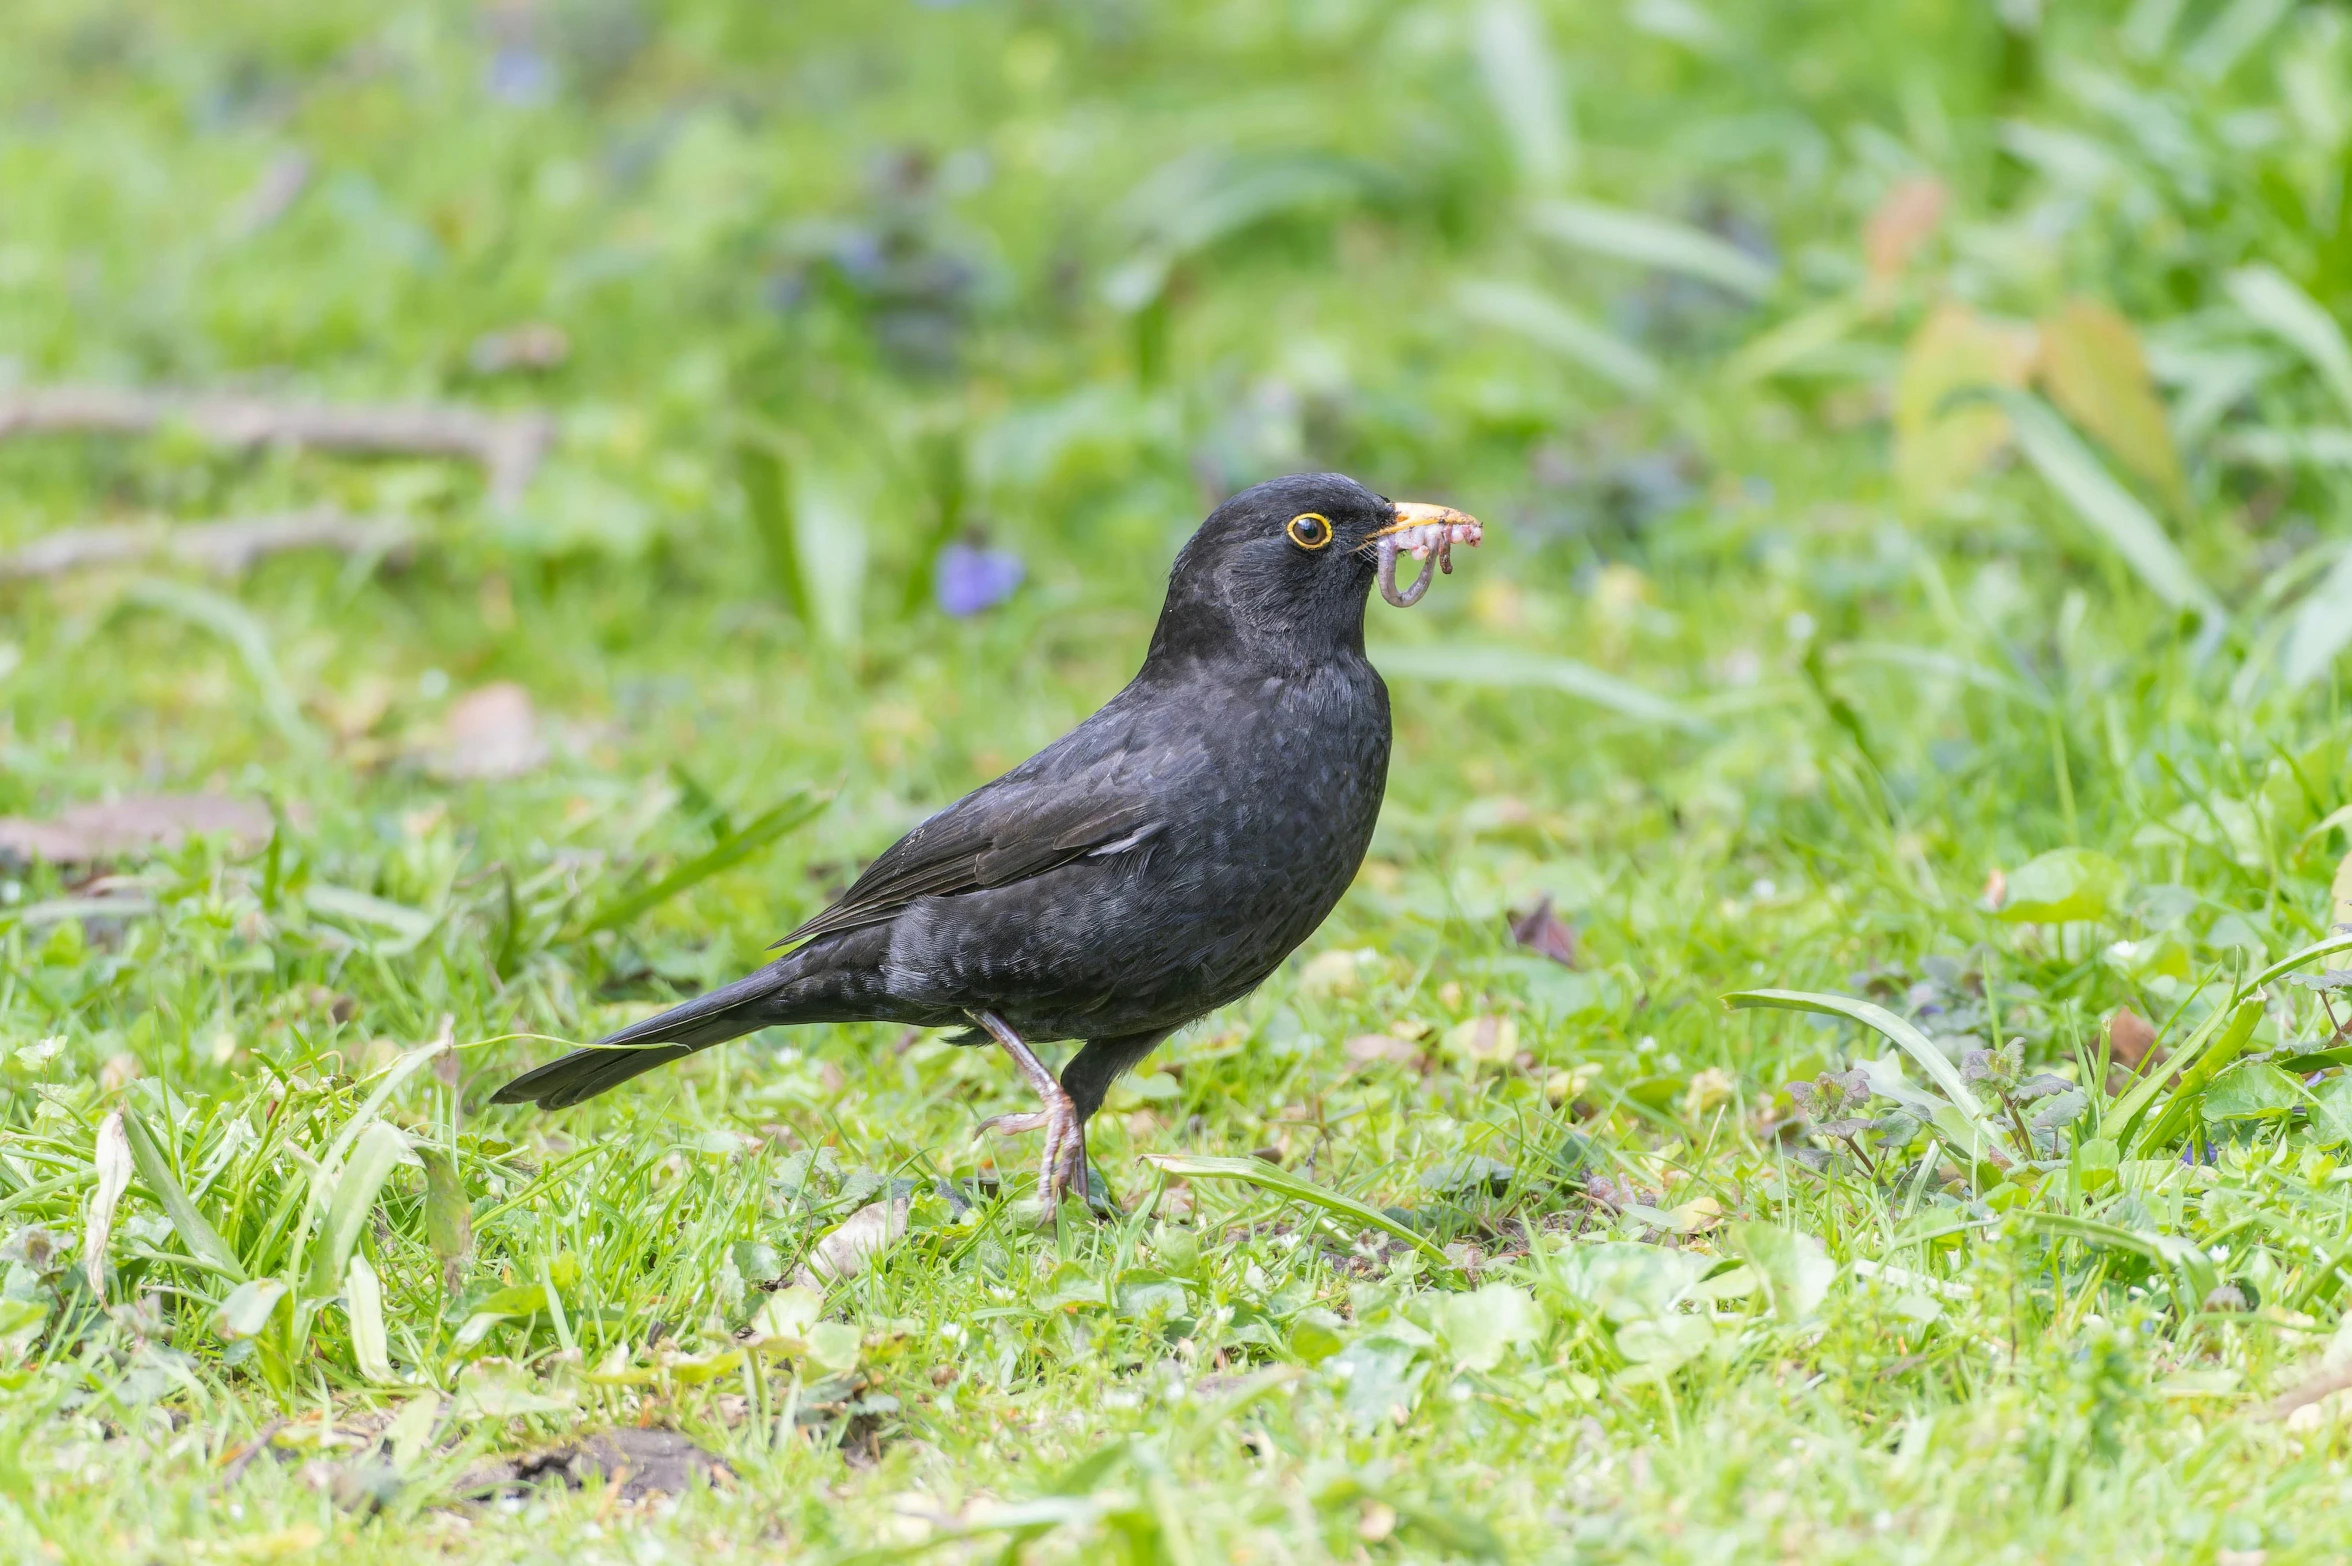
column 1536, row 317
column 833, row 1346
column 2062, row 886
column 410, row 1435
column 1941, row 441
column 363, row 1303
column 1506, row 667
column 2284, row 310
column 2097, row 375
column 2331, row 1110
column 1903, row 1035
column 248, row 1308
column 449, row 1217
column 1658, row 1345
column 1382, row 1376
column 1796, row 1268
column 2106, row 507
column 202, row 1240
column 1649, row 240
column 784, row 1318
column 1316, row 1334
column 381, row 1148
column 1623, row 1281
column 2098, row 1164
column 1480, row 1327
column 2254, row 1090
column 1281, row 1182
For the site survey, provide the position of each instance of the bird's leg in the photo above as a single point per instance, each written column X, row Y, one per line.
column 1064, row 1164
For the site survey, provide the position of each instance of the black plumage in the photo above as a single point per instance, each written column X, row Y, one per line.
column 1152, row 865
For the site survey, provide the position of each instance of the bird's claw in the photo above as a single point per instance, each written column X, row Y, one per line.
column 1062, row 1170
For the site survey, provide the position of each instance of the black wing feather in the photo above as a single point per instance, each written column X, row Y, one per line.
column 991, row 838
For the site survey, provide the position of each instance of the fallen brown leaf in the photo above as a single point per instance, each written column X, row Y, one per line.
column 1906, row 218
column 492, row 733
column 87, row 834
column 640, row 1463
column 2129, row 1038
column 1543, row 932
column 534, row 345
column 1366, row 1048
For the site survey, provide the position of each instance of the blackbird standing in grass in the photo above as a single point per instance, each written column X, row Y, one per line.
column 1152, row 865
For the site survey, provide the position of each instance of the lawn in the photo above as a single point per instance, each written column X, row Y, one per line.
column 1833, row 1055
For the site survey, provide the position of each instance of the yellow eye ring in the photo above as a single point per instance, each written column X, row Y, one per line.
column 1309, row 530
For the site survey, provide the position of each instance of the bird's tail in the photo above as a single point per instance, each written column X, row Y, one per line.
column 728, row 1012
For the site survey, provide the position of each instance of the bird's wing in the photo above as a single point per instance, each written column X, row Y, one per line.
column 1024, row 824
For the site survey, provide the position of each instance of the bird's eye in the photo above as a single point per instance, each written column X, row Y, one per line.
column 1309, row 530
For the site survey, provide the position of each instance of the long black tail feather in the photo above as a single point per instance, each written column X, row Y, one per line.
column 725, row 1013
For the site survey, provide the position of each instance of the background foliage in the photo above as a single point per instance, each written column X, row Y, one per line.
column 1912, row 439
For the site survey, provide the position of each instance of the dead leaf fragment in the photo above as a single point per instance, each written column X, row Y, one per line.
column 2129, row 1038
column 493, row 733
column 2098, row 376
column 1996, row 888
column 845, row 1252
column 1365, row 1049
column 119, row 829
column 638, row 1463
column 1708, row 1089
column 1543, row 932
column 1905, row 219
column 534, row 345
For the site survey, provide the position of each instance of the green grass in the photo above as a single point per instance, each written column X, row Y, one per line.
column 1807, row 606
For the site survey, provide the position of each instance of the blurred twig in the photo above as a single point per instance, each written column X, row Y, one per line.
column 508, row 446
column 229, row 547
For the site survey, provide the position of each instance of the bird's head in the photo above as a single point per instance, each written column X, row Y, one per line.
column 1283, row 569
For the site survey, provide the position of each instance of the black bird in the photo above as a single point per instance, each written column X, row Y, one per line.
column 1153, row 864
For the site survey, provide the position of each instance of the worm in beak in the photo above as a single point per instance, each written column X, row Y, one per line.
column 1422, row 530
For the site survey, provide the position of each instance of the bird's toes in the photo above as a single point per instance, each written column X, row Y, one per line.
column 1015, row 1125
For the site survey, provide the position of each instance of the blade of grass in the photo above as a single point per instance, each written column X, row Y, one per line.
column 1506, row 667
column 1537, row 317
column 755, row 835
column 1901, row 1034
column 1649, row 240
column 2105, row 506
column 195, row 1233
column 380, row 1148
column 2283, row 309
column 1281, row 1182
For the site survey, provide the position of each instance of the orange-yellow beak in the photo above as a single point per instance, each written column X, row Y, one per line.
column 1461, row 527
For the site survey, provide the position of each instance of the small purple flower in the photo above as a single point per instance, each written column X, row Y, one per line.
column 970, row 579
column 520, row 75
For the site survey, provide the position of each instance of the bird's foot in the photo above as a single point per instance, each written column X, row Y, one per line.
column 1063, row 1170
